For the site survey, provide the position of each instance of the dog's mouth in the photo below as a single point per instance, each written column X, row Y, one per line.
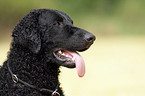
column 71, row 60
column 65, row 56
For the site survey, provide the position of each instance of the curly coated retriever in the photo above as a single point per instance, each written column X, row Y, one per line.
column 43, row 40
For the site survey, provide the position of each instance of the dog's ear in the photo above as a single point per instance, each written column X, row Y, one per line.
column 27, row 32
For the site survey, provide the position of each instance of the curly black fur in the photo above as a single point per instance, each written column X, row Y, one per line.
column 31, row 57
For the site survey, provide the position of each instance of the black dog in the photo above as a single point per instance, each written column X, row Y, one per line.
column 43, row 41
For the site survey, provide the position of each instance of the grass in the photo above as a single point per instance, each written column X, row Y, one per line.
column 115, row 66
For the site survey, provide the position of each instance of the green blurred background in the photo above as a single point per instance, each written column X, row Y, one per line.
column 115, row 64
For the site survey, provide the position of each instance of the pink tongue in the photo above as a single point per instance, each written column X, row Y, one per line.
column 80, row 64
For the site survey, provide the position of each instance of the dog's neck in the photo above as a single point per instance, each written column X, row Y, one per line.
column 30, row 68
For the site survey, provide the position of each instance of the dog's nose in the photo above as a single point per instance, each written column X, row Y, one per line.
column 89, row 37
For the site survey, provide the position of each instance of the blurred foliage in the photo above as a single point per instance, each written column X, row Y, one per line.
column 104, row 17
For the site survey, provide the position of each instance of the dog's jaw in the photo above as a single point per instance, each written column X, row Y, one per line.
column 71, row 59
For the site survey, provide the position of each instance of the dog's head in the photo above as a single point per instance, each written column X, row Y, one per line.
column 52, row 32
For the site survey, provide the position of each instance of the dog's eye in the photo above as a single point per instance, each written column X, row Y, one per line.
column 58, row 23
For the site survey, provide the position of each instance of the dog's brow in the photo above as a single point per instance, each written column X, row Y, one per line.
column 62, row 16
column 65, row 17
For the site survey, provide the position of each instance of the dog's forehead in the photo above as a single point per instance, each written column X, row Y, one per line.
column 63, row 15
column 51, row 15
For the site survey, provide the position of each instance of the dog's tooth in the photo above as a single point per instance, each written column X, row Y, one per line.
column 73, row 58
column 59, row 52
column 63, row 54
column 67, row 55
